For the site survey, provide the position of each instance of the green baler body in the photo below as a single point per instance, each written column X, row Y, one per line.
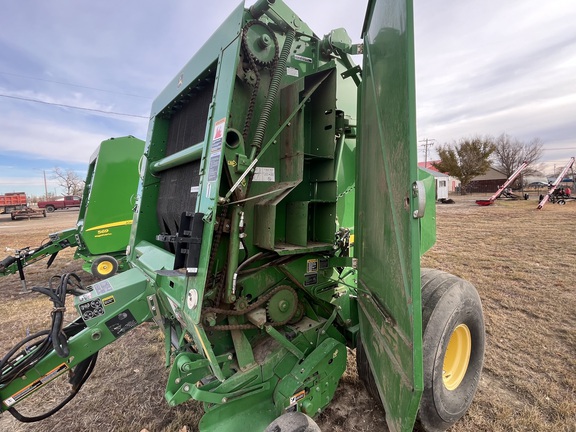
column 388, row 260
column 105, row 217
column 107, row 210
column 254, row 203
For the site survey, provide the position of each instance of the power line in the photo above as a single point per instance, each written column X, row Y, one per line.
column 74, row 85
column 72, row 107
column 427, row 142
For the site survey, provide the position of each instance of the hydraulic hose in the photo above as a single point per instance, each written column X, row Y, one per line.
column 79, row 376
column 279, row 73
column 17, row 362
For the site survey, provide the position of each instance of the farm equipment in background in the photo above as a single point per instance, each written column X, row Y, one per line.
column 280, row 219
column 504, row 191
column 16, row 204
column 105, row 218
column 27, row 213
column 13, row 201
column 555, row 194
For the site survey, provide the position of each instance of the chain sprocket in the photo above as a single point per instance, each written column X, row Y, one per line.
column 260, row 43
column 282, row 306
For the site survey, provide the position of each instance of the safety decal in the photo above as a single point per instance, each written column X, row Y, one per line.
column 297, row 397
column 216, row 149
column 121, row 323
column 213, row 167
column 108, row 300
column 32, row 387
column 218, row 131
column 312, row 266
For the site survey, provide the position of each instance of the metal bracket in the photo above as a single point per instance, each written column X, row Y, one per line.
column 419, row 192
column 153, row 306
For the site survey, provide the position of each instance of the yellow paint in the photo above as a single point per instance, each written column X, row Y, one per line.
column 110, row 225
column 201, row 340
column 457, row 357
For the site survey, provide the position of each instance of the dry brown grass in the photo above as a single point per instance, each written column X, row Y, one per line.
column 522, row 262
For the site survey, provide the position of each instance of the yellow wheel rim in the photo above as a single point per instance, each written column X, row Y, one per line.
column 457, row 357
column 104, row 268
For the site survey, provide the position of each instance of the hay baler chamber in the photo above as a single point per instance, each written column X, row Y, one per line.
column 280, row 222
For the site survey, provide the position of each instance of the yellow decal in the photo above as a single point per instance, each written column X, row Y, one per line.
column 108, row 300
column 297, row 397
column 110, row 225
column 35, row 385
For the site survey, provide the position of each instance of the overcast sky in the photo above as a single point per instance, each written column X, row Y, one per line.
column 483, row 67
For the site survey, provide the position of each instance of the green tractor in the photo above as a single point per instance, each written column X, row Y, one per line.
column 280, row 220
column 105, row 217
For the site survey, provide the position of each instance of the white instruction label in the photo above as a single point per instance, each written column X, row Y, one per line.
column 290, row 71
column 264, row 174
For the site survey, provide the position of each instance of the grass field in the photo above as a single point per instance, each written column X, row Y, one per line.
column 522, row 261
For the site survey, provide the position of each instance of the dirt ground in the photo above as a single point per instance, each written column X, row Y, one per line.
column 521, row 260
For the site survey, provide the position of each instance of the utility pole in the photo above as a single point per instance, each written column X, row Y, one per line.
column 427, row 142
column 45, row 186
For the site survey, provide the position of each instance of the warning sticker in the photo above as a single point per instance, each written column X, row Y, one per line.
column 213, row 167
column 216, row 149
column 312, row 266
column 31, row 388
column 108, row 300
column 297, row 397
column 218, row 130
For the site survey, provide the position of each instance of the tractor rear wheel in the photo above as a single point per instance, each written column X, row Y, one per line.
column 453, row 348
column 104, row 267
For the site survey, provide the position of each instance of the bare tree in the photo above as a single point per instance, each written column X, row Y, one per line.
column 68, row 180
column 468, row 158
column 510, row 153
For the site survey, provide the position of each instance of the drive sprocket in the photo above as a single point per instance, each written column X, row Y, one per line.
column 260, row 43
column 282, row 306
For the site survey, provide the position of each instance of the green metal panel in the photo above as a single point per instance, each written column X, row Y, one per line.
column 428, row 222
column 387, row 233
column 105, row 218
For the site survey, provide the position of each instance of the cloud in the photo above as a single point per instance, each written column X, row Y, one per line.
column 481, row 67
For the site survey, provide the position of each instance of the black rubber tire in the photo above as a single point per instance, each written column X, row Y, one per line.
column 293, row 422
column 447, row 302
column 50, row 209
column 562, row 202
column 364, row 371
column 104, row 266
